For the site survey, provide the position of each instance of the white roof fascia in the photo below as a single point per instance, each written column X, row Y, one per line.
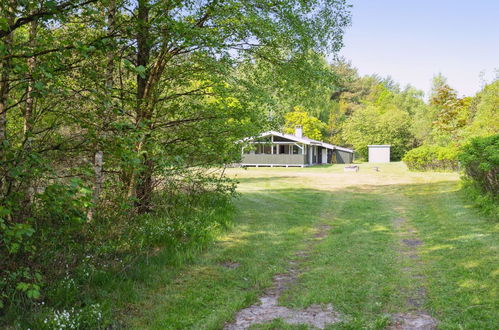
column 286, row 136
column 344, row 149
column 328, row 146
column 332, row 146
column 301, row 140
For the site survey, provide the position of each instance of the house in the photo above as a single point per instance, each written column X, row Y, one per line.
column 278, row 149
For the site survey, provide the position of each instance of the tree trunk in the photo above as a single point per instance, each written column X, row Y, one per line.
column 98, row 178
column 5, row 68
column 27, row 186
column 99, row 154
column 28, row 110
column 142, row 180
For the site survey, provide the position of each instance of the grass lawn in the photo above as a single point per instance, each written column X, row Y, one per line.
column 361, row 267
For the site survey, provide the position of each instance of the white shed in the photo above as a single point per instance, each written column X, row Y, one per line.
column 379, row 153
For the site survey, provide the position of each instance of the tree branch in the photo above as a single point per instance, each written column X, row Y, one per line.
column 43, row 12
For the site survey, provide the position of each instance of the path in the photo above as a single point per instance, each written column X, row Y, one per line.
column 417, row 317
column 323, row 248
column 412, row 315
column 268, row 309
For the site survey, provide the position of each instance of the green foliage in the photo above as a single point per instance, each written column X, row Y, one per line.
column 163, row 114
column 30, row 248
column 452, row 114
column 186, row 218
column 484, row 113
column 303, row 80
column 370, row 125
column 312, row 127
column 480, row 160
column 432, row 158
column 375, row 110
column 486, row 203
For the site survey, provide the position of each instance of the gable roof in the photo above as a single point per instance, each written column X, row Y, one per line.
column 304, row 140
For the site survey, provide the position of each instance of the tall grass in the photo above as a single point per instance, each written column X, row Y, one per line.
column 76, row 292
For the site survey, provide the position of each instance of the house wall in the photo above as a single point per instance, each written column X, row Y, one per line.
column 343, row 157
column 324, row 156
column 379, row 154
column 266, row 159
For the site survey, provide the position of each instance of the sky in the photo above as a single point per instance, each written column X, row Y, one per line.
column 412, row 40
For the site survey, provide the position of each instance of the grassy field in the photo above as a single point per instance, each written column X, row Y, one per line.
column 396, row 242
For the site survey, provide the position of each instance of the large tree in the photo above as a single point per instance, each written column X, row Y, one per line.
column 183, row 51
column 105, row 102
column 484, row 112
column 381, row 121
column 312, row 127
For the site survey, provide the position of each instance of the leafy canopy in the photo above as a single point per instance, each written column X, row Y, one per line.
column 312, row 127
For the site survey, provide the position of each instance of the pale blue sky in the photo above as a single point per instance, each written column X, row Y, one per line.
column 411, row 40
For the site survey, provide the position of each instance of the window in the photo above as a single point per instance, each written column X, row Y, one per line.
column 296, row 150
column 284, row 149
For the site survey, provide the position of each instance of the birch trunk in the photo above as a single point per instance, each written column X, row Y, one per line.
column 5, row 68
column 28, row 110
column 99, row 154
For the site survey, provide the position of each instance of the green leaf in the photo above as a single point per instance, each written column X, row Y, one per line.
column 33, row 293
column 4, row 24
column 21, row 286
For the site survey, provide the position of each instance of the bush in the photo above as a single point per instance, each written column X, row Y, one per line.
column 432, row 158
column 32, row 248
column 48, row 261
column 480, row 160
column 487, row 203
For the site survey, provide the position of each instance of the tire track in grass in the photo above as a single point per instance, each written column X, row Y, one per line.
column 354, row 268
column 461, row 256
column 416, row 317
column 268, row 308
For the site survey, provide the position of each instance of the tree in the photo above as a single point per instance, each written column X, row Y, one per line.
column 351, row 93
column 303, row 80
column 104, row 104
column 382, row 119
column 369, row 126
column 451, row 112
column 204, row 40
column 312, row 127
column 484, row 119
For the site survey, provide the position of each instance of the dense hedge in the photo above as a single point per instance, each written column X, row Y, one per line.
column 480, row 160
column 431, row 158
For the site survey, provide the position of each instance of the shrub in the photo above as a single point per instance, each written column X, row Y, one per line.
column 31, row 248
column 480, row 160
column 48, row 262
column 432, row 158
column 487, row 203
